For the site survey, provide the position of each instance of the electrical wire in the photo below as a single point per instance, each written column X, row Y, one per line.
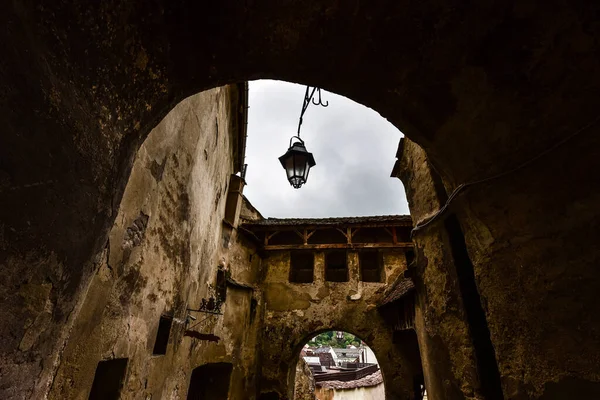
column 463, row 186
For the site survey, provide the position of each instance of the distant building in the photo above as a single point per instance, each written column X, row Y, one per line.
column 312, row 361
column 347, row 355
column 369, row 387
column 327, row 355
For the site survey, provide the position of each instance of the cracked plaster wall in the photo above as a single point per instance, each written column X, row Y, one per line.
column 527, row 243
column 296, row 312
column 163, row 249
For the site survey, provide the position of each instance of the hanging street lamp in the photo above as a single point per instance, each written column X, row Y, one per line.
column 297, row 161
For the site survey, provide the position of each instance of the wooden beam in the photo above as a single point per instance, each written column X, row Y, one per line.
column 302, row 236
column 343, row 233
column 389, row 232
column 267, row 237
column 403, row 245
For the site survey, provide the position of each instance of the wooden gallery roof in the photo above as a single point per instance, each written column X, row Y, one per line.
column 383, row 231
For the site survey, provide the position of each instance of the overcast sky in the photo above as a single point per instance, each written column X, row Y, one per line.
column 354, row 148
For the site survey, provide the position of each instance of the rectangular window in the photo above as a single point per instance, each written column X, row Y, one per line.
column 336, row 266
column 371, row 266
column 109, row 378
column 302, row 266
column 162, row 336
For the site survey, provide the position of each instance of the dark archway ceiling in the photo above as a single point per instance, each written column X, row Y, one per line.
column 480, row 86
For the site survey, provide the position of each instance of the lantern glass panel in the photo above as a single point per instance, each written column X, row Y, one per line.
column 306, row 171
column 300, row 161
column 289, row 166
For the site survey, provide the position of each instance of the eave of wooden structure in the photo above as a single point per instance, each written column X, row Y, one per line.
column 304, row 234
column 350, row 246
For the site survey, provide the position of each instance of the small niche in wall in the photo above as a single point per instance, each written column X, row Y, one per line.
column 336, row 266
column 302, row 266
column 210, row 382
column 162, row 336
column 253, row 309
column 108, row 380
column 371, row 265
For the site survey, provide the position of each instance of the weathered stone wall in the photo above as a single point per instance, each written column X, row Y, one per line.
column 164, row 248
column 521, row 236
column 304, row 384
column 481, row 88
column 295, row 312
column 530, row 236
column 447, row 353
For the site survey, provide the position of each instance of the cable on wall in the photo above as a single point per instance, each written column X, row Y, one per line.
column 422, row 224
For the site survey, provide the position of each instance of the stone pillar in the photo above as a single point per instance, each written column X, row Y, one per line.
column 447, row 352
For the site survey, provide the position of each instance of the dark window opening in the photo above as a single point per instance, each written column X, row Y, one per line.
column 403, row 233
column 162, row 336
column 210, row 382
column 372, row 235
column 327, row 236
column 253, row 307
column 285, row 237
column 419, row 387
column 302, row 266
column 371, row 266
column 410, row 257
column 221, row 289
column 336, row 266
column 269, row 396
column 108, row 380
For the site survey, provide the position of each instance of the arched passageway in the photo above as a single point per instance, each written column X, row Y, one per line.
column 337, row 364
column 297, row 307
column 210, row 382
column 483, row 89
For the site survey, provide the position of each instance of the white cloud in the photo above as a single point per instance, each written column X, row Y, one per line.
column 354, row 148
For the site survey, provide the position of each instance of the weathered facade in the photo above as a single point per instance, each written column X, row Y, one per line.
column 169, row 243
column 498, row 98
column 304, row 383
column 330, row 274
column 196, row 292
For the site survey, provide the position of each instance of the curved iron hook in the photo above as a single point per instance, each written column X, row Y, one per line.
column 308, row 99
column 320, row 102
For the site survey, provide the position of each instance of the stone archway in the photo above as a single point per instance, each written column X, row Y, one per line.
column 296, row 312
column 294, row 369
column 210, row 382
column 478, row 87
column 397, row 372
